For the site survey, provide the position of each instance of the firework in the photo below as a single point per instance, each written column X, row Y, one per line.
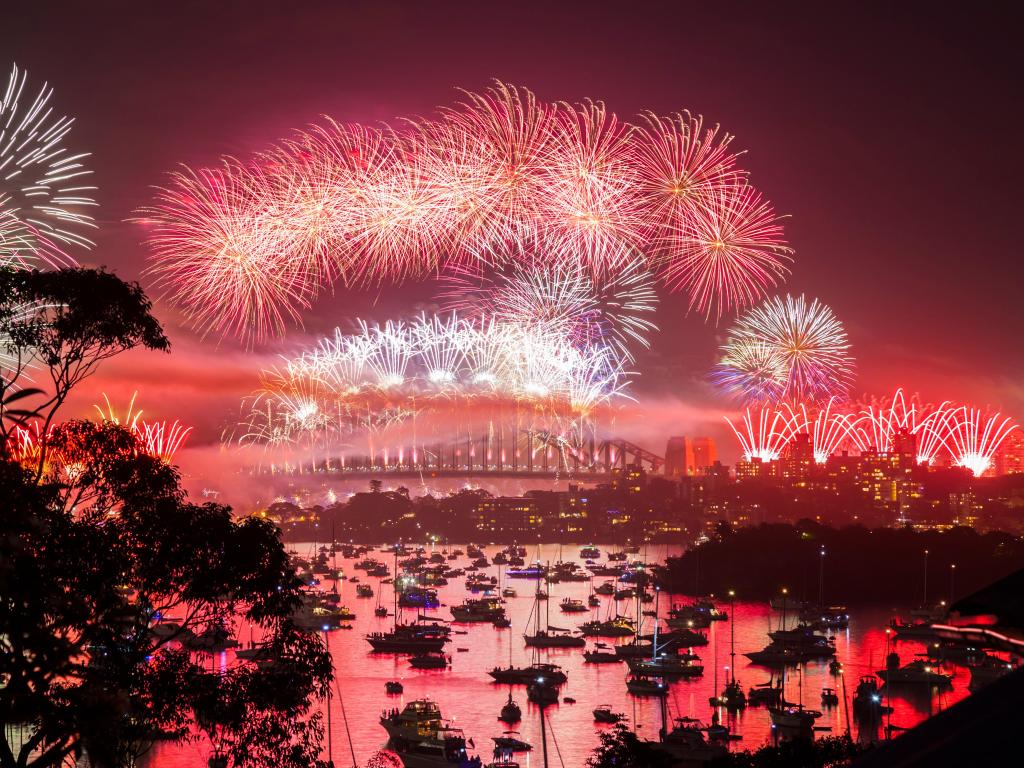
column 383, row 375
column 881, row 422
column 162, row 439
column 973, row 438
column 805, row 338
column 225, row 254
column 43, row 199
column 563, row 297
column 751, row 370
column 129, row 419
column 763, row 433
column 497, row 182
column 682, row 166
column 589, row 208
column 827, row 429
column 727, row 255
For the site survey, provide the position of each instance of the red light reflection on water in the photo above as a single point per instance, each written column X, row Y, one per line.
column 467, row 696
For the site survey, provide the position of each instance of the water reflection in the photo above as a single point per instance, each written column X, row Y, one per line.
column 467, row 696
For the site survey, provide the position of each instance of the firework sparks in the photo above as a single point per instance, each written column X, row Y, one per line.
column 499, row 181
column 803, row 337
column 43, row 199
column 763, row 433
column 974, row 438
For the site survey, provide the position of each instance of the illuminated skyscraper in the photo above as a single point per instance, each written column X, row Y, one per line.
column 687, row 456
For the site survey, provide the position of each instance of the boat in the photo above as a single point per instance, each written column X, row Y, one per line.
column 380, row 611
column 572, row 605
column 554, row 637
column 255, row 652
column 915, row 673
column 394, row 687
column 526, row 675
column 835, row 667
column 420, row 637
column 604, row 714
column 485, row 609
column 601, row 657
column 590, row 553
column 764, row 693
column 920, row 631
column 593, row 601
column 508, row 592
column 867, row 700
column 419, row 719
column 509, row 742
column 364, row 590
column 732, row 697
column 665, row 667
column 687, row 743
column 542, row 692
column 639, row 685
column 987, row 672
column 446, row 748
column 616, row 556
column 510, row 713
column 418, row 597
column 829, row 697
column 793, row 719
column 620, row 626
column 535, row 571
column 430, row 661
column 605, row 588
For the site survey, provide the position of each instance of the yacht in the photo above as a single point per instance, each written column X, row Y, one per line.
column 485, row 609
column 572, row 605
column 510, row 713
column 525, row 675
column 620, row 626
column 554, row 637
column 638, row 685
column 419, row 719
column 666, row 667
column 915, row 673
column 420, row 637
column 430, row 661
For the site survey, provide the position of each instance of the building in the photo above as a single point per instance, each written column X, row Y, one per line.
column 688, row 456
column 508, row 515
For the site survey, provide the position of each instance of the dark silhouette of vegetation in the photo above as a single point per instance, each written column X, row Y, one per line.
column 860, row 565
column 98, row 543
column 621, row 748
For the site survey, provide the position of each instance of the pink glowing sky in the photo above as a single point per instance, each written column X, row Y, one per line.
column 889, row 138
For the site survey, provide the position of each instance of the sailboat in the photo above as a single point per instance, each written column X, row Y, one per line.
column 793, row 717
column 552, row 637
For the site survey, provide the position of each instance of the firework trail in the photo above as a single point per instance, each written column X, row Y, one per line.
column 828, row 429
column 43, row 198
column 763, row 433
column 973, row 438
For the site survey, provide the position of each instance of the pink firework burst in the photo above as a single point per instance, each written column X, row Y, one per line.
column 225, row 254
column 727, row 255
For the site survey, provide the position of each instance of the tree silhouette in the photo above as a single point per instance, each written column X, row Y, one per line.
column 99, row 545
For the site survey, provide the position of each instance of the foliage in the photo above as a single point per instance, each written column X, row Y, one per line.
column 99, row 546
column 861, row 564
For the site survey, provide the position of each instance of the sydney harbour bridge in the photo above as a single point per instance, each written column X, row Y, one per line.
column 529, row 454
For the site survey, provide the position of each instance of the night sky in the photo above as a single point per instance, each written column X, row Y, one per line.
column 891, row 138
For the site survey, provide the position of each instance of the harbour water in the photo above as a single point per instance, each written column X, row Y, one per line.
column 469, row 698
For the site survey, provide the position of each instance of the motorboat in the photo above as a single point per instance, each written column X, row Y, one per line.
column 639, row 685
column 419, row 719
column 509, row 741
column 430, row 661
column 604, row 714
column 526, row 675
column 485, row 609
column 620, row 626
column 572, row 605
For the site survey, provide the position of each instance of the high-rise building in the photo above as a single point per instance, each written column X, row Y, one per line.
column 688, row 456
column 1009, row 459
